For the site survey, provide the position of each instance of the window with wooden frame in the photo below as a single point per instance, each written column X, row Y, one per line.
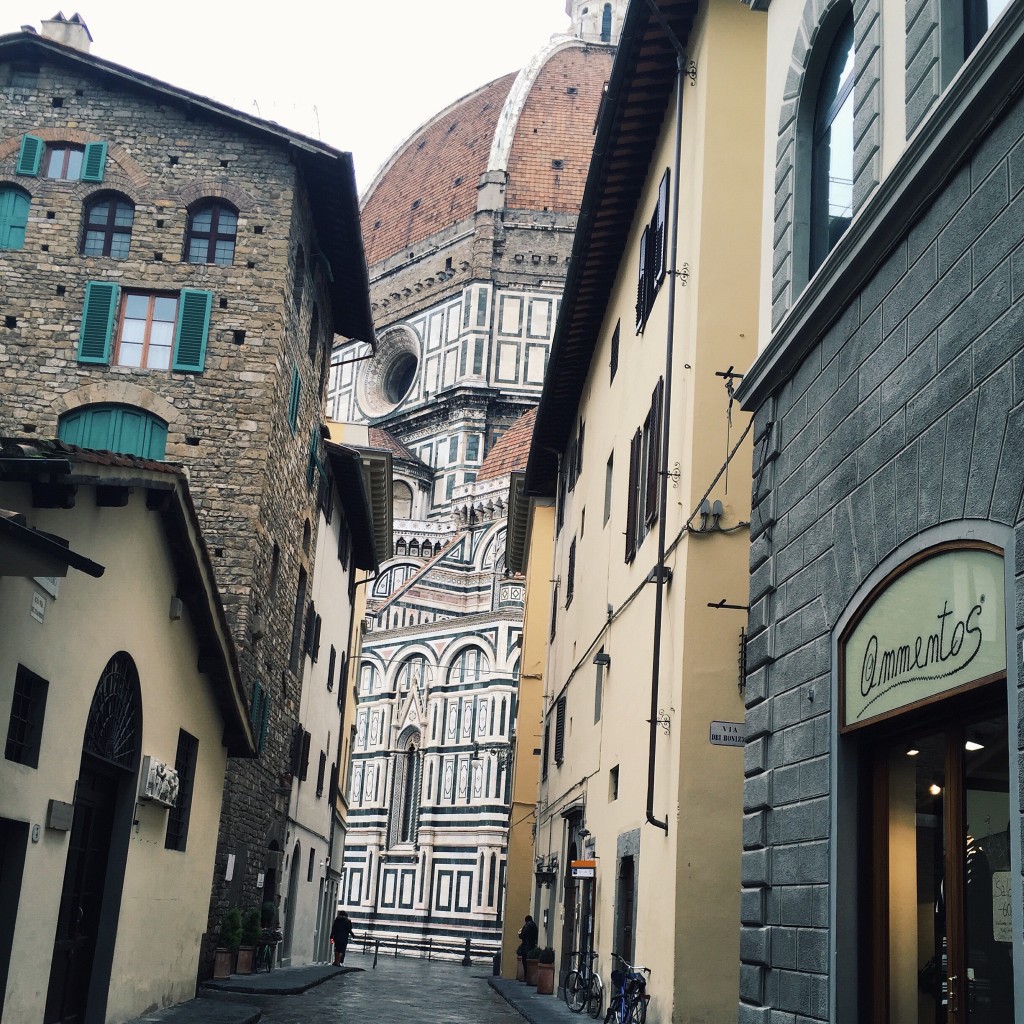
column 108, row 226
column 152, row 330
column 211, row 233
column 61, row 160
column 653, row 254
column 644, row 465
column 25, row 728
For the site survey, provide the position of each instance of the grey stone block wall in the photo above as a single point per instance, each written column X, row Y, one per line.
column 909, row 412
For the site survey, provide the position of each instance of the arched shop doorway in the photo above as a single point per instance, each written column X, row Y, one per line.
column 928, row 786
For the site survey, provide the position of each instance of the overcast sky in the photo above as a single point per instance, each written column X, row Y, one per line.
column 359, row 75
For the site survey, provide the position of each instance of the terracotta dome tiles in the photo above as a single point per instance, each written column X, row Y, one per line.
column 550, row 154
column 512, row 450
column 432, row 183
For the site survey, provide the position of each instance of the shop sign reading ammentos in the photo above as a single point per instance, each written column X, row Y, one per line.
column 931, row 628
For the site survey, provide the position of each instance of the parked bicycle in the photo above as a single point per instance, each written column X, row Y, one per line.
column 627, row 1003
column 583, row 985
column 265, row 946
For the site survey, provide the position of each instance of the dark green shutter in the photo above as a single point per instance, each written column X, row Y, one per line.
column 293, row 399
column 257, row 701
column 192, row 330
column 97, row 322
column 265, row 723
column 95, row 161
column 31, row 153
column 311, row 462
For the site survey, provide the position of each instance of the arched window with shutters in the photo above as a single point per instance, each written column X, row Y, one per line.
column 115, row 428
column 212, row 229
column 14, row 204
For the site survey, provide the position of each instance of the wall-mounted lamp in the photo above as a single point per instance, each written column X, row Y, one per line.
column 603, row 659
column 546, row 870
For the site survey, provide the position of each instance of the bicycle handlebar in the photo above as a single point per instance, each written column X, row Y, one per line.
column 632, row 967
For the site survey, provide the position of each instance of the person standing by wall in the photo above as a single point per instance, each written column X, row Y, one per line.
column 528, row 939
column 341, row 932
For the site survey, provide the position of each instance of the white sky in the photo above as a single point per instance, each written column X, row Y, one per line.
column 368, row 73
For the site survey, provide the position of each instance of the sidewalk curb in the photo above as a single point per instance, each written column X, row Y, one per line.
column 283, row 989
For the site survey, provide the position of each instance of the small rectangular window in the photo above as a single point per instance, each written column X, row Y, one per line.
column 453, row 450
column 28, row 708
column 560, row 730
column 321, row 773
column 472, row 447
column 613, row 783
column 331, row 662
column 185, row 765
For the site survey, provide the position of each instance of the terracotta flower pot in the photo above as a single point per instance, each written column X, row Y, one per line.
column 520, row 970
column 246, row 959
column 222, row 962
column 531, row 972
column 545, row 979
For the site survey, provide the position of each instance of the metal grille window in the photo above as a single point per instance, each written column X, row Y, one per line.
column 25, row 730
column 185, row 765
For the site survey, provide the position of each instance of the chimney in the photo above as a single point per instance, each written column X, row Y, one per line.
column 71, row 31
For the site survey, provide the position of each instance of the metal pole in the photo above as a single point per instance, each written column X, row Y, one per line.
column 466, row 960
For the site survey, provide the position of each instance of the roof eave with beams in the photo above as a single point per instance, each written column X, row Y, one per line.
column 632, row 115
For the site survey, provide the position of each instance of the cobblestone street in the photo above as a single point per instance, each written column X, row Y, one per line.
column 397, row 992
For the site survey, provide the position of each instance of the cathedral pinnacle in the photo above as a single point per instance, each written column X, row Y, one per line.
column 596, row 21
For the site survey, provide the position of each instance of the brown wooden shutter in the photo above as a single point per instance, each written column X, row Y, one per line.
column 653, row 457
column 632, row 495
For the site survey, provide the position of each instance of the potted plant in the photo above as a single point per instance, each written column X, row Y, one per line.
column 250, row 936
column 532, row 960
column 227, row 945
column 546, row 972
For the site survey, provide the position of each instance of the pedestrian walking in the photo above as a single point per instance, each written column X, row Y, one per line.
column 340, row 934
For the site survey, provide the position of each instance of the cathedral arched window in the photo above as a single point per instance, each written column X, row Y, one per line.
column 401, row 500
column 470, row 666
column 606, row 24
column 405, row 802
column 412, row 674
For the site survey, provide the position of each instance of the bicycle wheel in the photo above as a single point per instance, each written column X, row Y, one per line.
column 614, row 1014
column 575, row 991
column 637, row 1010
column 596, row 996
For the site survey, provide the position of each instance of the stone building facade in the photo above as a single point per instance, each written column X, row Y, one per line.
column 882, row 825
column 173, row 275
column 468, row 229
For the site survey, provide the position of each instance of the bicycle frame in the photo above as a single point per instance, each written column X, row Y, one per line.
column 627, row 1003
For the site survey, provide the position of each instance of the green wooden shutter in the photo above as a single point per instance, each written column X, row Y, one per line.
column 30, row 155
column 192, row 330
column 95, row 161
column 293, row 399
column 13, row 218
column 264, row 723
column 115, row 428
column 97, row 322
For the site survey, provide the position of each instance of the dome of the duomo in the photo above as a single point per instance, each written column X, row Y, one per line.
column 531, row 131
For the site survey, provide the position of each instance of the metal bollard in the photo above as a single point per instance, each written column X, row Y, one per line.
column 496, row 964
column 376, row 950
column 466, row 961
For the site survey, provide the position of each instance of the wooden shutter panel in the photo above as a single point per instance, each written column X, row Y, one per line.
column 631, row 495
column 30, row 155
column 13, row 218
column 310, row 626
column 316, row 637
column 192, row 330
column 560, row 731
column 95, row 161
column 264, row 722
column 97, row 322
column 653, row 457
column 293, row 399
column 641, row 282
column 304, row 756
column 255, row 709
column 661, row 230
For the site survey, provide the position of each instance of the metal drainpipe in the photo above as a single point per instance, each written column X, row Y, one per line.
column 665, row 425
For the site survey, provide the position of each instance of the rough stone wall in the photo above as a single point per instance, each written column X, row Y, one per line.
column 227, row 425
column 907, row 414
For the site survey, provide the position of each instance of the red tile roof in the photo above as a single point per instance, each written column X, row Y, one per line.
column 381, row 438
column 511, row 451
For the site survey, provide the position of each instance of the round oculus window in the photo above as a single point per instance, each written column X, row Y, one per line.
column 385, row 381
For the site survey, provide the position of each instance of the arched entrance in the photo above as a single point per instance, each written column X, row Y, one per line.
column 90, row 901
column 293, row 895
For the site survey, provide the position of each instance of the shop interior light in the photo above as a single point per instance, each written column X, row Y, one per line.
column 974, row 745
column 934, row 789
column 913, row 752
